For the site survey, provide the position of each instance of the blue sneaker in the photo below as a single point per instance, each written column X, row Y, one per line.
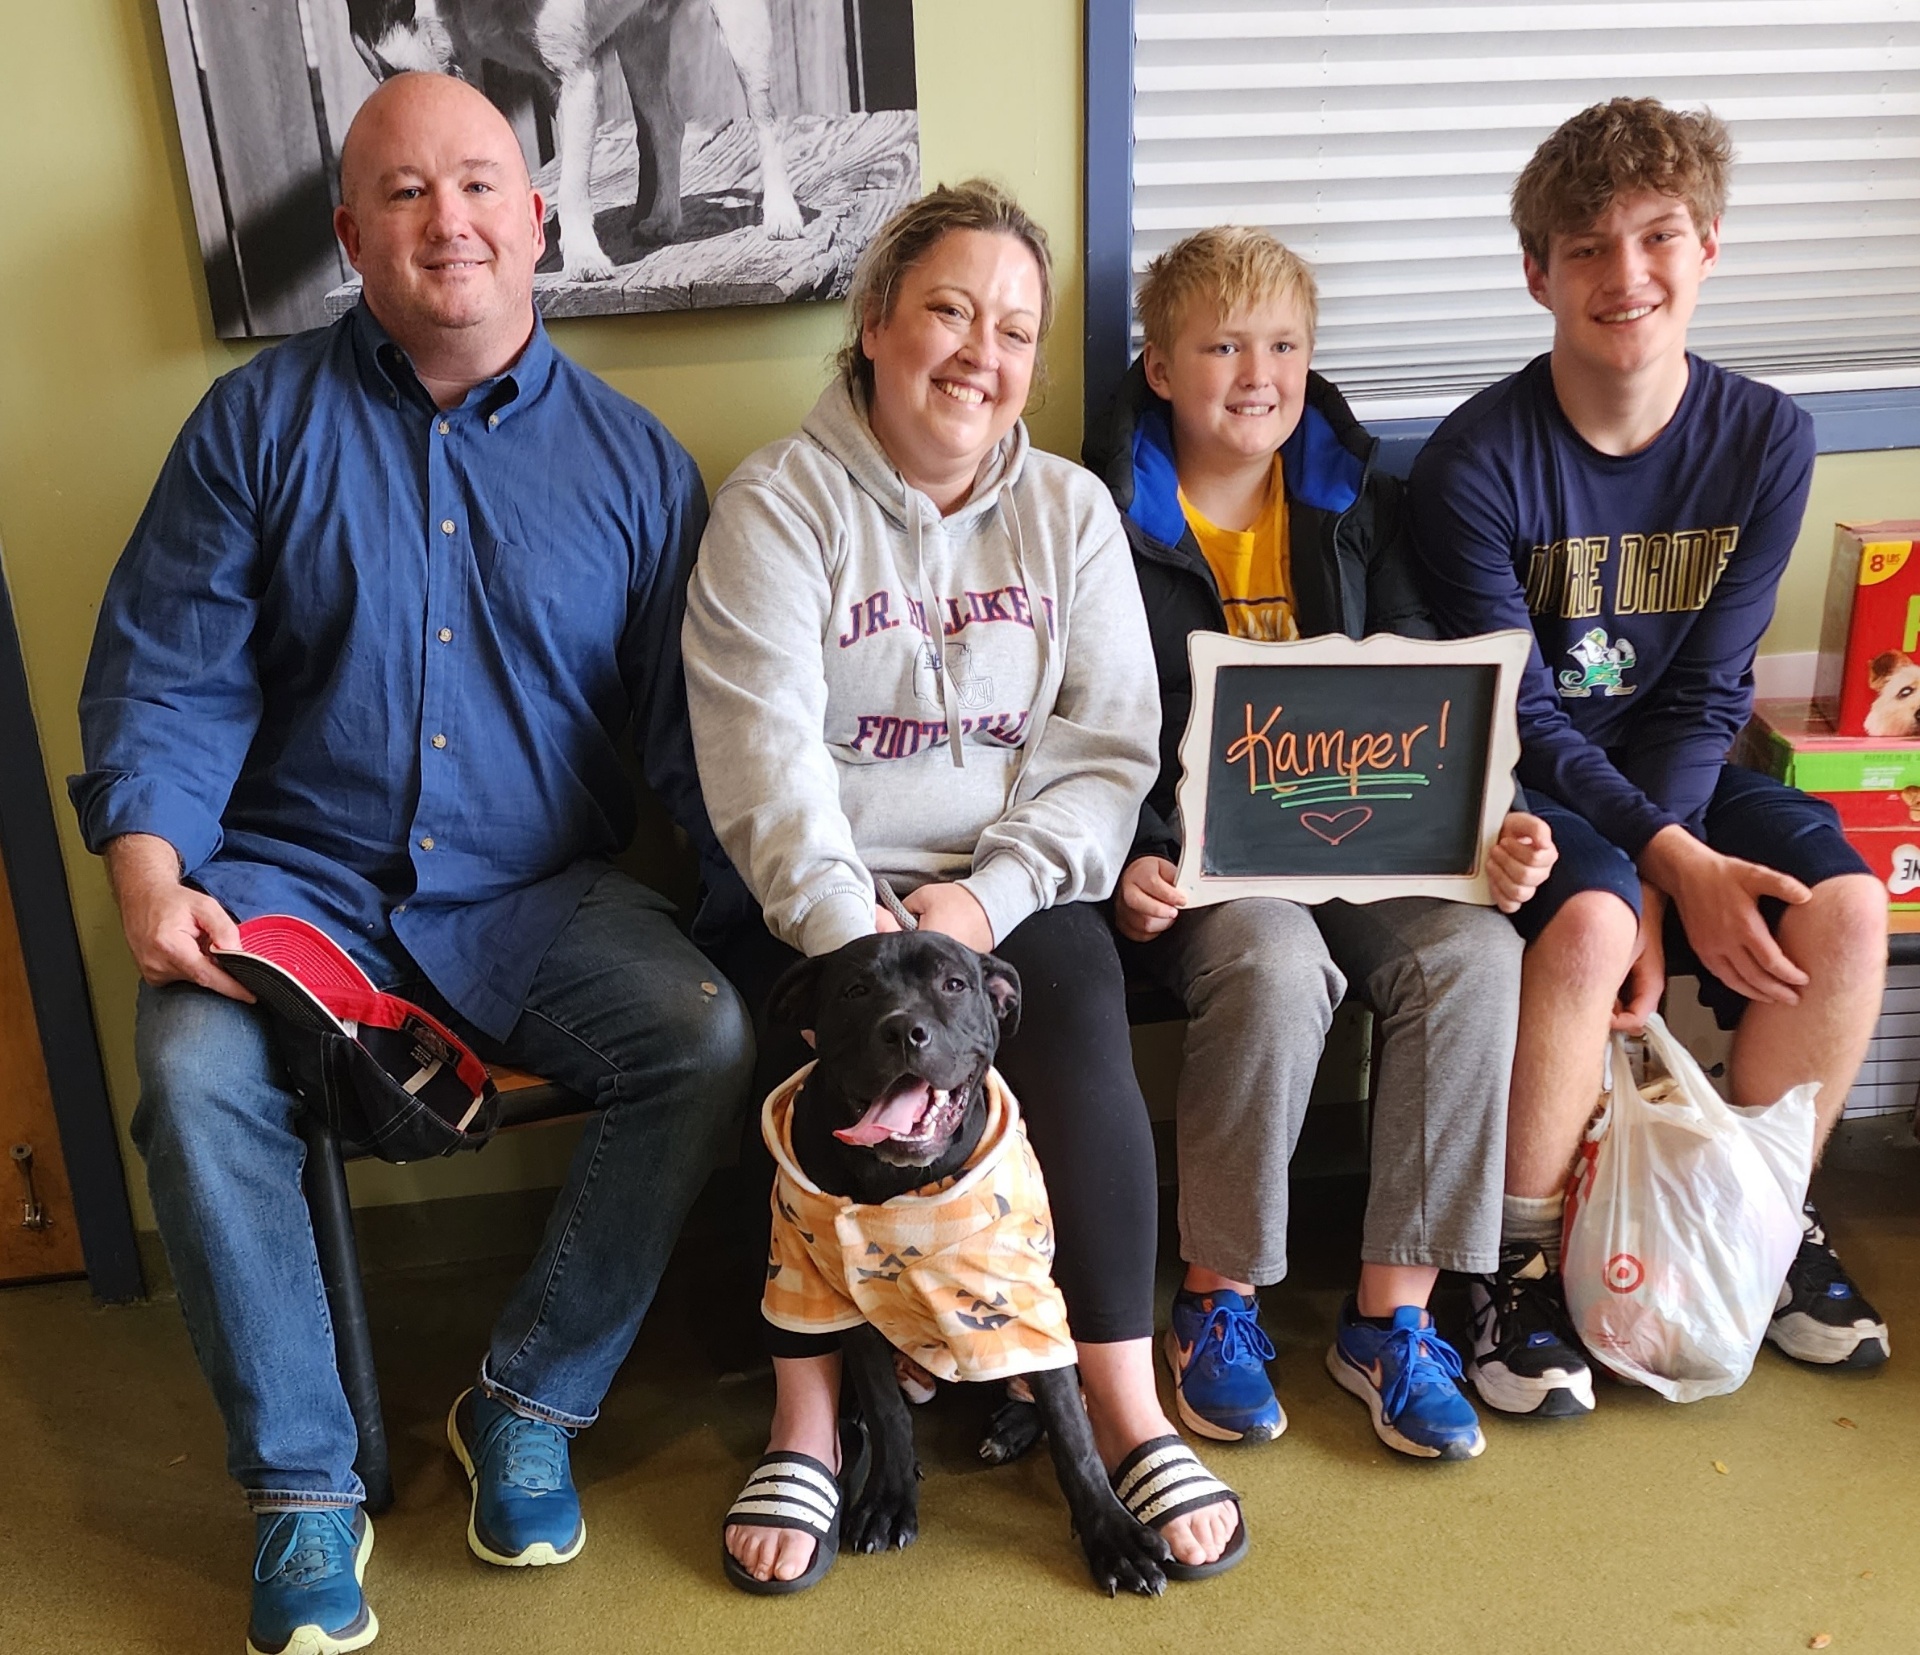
column 1408, row 1376
column 1219, row 1354
column 525, row 1511
column 307, row 1569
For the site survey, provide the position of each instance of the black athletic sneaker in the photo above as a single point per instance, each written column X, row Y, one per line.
column 1821, row 1316
column 1526, row 1357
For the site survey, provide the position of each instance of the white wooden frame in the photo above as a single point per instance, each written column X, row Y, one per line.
column 1207, row 652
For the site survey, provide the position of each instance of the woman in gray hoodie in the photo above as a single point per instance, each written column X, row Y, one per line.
column 994, row 779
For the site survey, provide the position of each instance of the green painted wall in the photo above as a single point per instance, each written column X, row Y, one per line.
column 105, row 345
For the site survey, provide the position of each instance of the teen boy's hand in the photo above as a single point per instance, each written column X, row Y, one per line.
column 1148, row 901
column 1718, row 898
column 1647, row 976
column 1521, row 859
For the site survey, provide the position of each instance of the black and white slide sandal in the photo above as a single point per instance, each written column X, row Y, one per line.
column 787, row 1490
column 1163, row 1479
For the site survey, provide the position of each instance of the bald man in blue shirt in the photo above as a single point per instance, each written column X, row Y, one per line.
column 401, row 591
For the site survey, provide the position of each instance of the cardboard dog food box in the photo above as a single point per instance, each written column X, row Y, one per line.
column 1868, row 679
column 1873, row 783
column 1885, row 829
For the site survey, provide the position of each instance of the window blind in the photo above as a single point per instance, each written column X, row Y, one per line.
column 1379, row 141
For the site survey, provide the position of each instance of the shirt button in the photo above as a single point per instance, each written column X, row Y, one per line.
column 439, row 741
column 444, row 428
column 492, row 421
column 446, row 634
column 427, row 843
column 401, row 909
column 446, row 525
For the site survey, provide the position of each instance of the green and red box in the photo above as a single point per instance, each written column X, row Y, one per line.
column 1873, row 783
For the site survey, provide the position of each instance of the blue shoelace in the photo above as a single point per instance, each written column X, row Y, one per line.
column 1415, row 1356
column 533, row 1453
column 1242, row 1338
column 305, row 1546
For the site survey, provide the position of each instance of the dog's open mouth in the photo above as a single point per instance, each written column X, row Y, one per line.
column 912, row 1111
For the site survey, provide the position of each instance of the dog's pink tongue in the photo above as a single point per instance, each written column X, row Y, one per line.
column 893, row 1114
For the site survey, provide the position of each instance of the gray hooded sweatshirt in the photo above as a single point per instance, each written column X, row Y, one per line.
column 834, row 746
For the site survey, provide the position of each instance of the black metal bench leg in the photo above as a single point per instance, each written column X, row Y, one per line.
column 325, row 1179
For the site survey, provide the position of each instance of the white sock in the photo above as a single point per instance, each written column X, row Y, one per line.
column 1534, row 1219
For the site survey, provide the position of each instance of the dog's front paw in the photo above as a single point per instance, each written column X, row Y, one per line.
column 883, row 1518
column 589, row 267
column 781, row 216
column 1124, row 1555
column 1014, row 1428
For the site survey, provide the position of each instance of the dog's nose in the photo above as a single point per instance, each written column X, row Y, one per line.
column 910, row 1034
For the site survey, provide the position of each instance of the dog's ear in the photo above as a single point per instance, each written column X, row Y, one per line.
column 1883, row 667
column 790, row 1002
column 1002, row 984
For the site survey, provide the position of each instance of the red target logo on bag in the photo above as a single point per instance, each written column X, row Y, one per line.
column 1625, row 1273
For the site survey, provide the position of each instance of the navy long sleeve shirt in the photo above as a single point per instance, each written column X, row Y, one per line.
column 1646, row 579
column 372, row 663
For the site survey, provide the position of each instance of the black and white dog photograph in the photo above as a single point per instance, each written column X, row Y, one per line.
column 691, row 153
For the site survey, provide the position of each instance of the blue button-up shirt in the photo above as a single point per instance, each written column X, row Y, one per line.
column 370, row 662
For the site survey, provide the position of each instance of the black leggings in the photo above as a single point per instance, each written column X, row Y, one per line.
column 1070, row 1064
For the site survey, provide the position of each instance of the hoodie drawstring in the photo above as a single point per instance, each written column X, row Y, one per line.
column 936, row 636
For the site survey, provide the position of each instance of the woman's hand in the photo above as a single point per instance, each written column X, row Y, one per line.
column 1521, row 859
column 1148, row 901
column 953, row 910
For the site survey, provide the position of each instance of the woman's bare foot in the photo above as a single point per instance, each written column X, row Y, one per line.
column 1125, row 1411
column 806, row 1420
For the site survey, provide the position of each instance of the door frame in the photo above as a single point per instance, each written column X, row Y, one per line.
column 62, row 1005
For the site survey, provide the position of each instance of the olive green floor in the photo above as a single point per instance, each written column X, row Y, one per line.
column 1756, row 1522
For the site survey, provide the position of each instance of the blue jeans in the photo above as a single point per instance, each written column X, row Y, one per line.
column 623, row 1011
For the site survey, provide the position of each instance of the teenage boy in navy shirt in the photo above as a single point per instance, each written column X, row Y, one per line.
column 1635, row 507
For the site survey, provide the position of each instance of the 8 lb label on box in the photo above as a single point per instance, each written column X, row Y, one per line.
column 1869, row 672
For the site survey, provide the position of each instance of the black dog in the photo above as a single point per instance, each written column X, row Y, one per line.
column 905, row 1026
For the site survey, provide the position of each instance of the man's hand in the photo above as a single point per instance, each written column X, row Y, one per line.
column 1647, row 976
column 1521, row 859
column 169, row 927
column 952, row 909
column 1718, row 898
column 1148, row 901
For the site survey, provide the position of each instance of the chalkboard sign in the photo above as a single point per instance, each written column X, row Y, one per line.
column 1329, row 768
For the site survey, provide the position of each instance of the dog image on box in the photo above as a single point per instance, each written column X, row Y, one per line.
column 1894, row 678
column 910, row 1216
column 563, row 43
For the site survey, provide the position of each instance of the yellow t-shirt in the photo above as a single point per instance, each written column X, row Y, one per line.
column 959, row 1275
column 1250, row 566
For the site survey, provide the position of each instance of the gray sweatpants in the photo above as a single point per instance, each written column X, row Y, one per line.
column 1261, row 978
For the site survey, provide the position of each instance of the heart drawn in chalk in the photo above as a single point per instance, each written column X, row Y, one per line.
column 1336, row 825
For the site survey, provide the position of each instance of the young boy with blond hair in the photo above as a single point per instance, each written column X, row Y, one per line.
column 1253, row 507
column 1634, row 506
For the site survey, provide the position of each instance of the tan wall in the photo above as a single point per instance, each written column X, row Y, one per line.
column 1846, row 488
column 105, row 345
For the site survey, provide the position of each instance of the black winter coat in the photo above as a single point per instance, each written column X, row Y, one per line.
column 1351, row 557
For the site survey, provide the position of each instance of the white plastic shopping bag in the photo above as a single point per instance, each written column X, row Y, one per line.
column 1682, row 1218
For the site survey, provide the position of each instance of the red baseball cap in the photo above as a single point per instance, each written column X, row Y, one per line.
column 393, row 1078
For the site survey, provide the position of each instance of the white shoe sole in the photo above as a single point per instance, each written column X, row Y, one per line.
column 312, row 1640
column 1560, row 1396
column 1806, row 1340
column 1203, row 1427
column 537, row 1556
column 1349, row 1378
